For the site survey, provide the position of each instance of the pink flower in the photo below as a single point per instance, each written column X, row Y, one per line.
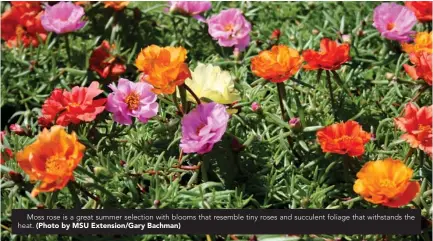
column 255, row 106
column 63, row 17
column 131, row 99
column 203, row 127
column 230, row 28
column 19, row 130
column 394, row 22
column 194, row 8
column 2, row 136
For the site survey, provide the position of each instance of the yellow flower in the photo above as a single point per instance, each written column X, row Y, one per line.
column 212, row 83
column 422, row 43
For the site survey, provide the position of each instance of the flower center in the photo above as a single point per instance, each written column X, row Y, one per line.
column 132, row 100
column 198, row 129
column 390, row 26
column 386, row 183
column 20, row 31
column 228, row 27
column 74, row 104
column 424, row 128
column 56, row 165
column 344, row 139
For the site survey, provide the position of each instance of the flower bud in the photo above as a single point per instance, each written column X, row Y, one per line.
column 236, row 145
column 16, row 177
column 101, row 171
column 17, row 129
column 295, row 123
column 347, row 38
column 389, row 76
column 276, row 34
column 255, row 106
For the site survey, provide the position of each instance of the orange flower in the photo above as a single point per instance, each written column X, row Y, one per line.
column 343, row 138
column 51, row 159
column 116, row 5
column 386, row 182
column 422, row 10
column 417, row 123
column 82, row 3
column 422, row 43
column 422, row 68
column 330, row 57
column 164, row 68
column 21, row 24
column 278, row 64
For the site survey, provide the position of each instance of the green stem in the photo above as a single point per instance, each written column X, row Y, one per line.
column 409, row 154
column 282, row 97
column 77, row 203
column 197, row 100
column 203, row 170
column 331, row 93
column 68, row 49
column 183, row 99
column 426, row 236
column 176, row 103
column 319, row 75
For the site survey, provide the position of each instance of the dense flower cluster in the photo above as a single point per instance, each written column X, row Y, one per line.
column 209, row 94
column 21, row 24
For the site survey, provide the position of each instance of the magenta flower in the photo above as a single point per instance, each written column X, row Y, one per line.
column 255, row 106
column 203, row 127
column 63, row 17
column 131, row 99
column 230, row 28
column 193, row 8
column 394, row 22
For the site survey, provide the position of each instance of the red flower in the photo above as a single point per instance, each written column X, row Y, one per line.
column 422, row 10
column 276, row 34
column 343, row 138
column 330, row 57
column 422, row 68
column 417, row 123
column 63, row 107
column 6, row 154
column 21, row 24
column 104, row 63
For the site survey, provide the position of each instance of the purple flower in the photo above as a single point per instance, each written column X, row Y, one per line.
column 63, row 17
column 230, row 28
column 131, row 99
column 194, row 8
column 394, row 22
column 203, row 127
